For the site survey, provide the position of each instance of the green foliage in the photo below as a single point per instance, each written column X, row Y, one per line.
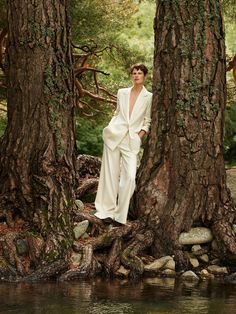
column 89, row 136
column 3, row 124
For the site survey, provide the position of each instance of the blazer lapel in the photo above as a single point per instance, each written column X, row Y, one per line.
column 125, row 103
column 139, row 102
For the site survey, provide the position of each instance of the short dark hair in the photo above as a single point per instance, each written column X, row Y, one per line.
column 139, row 66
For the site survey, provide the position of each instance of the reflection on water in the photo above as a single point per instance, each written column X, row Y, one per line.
column 101, row 296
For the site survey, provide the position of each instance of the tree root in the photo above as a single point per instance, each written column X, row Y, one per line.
column 85, row 186
column 48, row 271
column 89, row 266
column 7, row 244
column 130, row 257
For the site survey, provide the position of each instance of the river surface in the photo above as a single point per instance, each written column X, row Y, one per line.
column 101, row 296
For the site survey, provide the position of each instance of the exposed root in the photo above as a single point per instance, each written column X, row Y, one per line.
column 130, row 257
column 89, row 266
column 7, row 243
column 112, row 263
column 48, row 271
column 86, row 186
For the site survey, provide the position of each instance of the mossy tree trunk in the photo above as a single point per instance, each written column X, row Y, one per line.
column 182, row 180
column 37, row 164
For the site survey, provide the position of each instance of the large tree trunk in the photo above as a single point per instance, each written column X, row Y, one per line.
column 182, row 180
column 37, row 164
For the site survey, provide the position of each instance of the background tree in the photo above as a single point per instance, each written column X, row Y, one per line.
column 37, row 169
column 182, row 181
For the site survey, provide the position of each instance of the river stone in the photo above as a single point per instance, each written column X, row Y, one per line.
column 204, row 274
column 194, row 262
column 234, row 228
column 196, row 235
column 79, row 204
column 80, row 229
column 231, row 278
column 168, row 272
column 189, row 275
column 217, row 270
column 123, row 272
column 170, row 265
column 196, row 247
column 76, row 259
column 158, row 264
column 22, row 247
column 204, row 258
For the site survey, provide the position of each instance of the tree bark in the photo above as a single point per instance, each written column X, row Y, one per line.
column 37, row 162
column 182, row 180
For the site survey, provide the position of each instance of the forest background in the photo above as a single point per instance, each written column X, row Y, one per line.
column 107, row 39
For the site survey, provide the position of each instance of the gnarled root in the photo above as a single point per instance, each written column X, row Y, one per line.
column 130, row 257
column 89, row 266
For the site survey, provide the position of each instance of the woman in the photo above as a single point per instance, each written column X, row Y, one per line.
column 122, row 140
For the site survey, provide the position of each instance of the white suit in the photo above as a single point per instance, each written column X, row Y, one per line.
column 119, row 161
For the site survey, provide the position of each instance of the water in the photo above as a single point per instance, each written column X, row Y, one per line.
column 150, row 296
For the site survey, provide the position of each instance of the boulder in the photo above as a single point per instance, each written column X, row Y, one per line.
column 196, row 235
column 80, row 229
column 204, row 258
column 196, row 248
column 194, row 262
column 22, row 247
column 76, row 259
column 123, row 272
column 217, row 270
column 189, row 275
column 231, row 278
column 79, row 204
column 204, row 274
column 231, row 179
column 168, row 272
column 234, row 228
column 158, row 264
column 170, row 265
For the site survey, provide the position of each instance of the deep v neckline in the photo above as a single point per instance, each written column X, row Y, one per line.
column 130, row 113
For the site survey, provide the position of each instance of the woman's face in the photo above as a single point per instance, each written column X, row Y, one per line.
column 138, row 77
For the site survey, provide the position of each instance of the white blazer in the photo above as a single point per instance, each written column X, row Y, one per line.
column 121, row 124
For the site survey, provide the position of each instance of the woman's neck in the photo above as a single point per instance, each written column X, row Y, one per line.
column 137, row 87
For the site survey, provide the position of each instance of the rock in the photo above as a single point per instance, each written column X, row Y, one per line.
column 196, row 248
column 123, row 272
column 231, row 278
column 76, row 259
column 85, row 235
column 168, row 272
column 79, row 204
column 217, row 270
column 158, row 264
column 169, row 265
column 80, row 229
column 194, row 262
column 196, row 235
column 234, row 228
column 204, row 258
column 231, row 179
column 215, row 261
column 204, row 274
column 22, row 247
column 189, row 275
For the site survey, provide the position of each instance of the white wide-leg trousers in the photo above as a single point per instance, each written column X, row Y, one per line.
column 116, row 182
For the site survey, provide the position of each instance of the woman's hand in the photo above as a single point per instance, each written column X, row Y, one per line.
column 141, row 133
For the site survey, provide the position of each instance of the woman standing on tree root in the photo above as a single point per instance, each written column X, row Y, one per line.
column 122, row 140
